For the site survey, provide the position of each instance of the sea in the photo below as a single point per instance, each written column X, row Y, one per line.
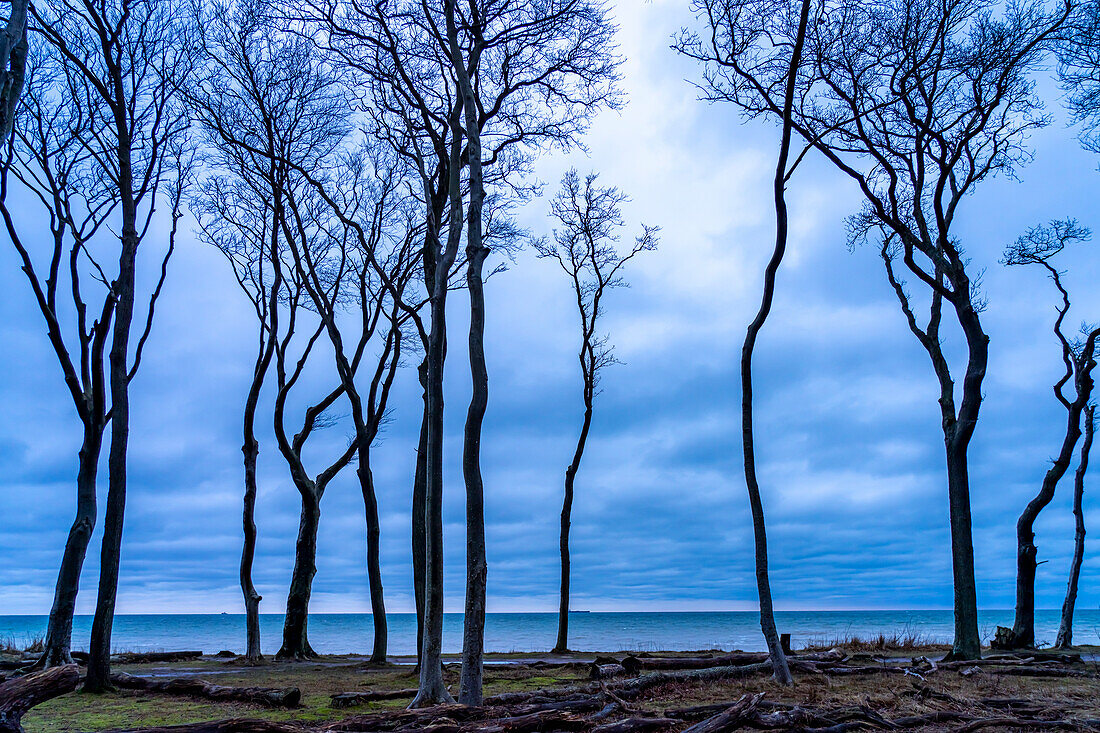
column 536, row 632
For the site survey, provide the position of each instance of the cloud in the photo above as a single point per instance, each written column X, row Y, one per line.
column 849, row 444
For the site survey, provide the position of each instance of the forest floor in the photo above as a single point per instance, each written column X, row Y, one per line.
column 842, row 690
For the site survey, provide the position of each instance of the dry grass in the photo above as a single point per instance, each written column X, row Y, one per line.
column 10, row 644
column 907, row 641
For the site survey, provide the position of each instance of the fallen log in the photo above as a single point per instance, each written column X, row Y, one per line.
column 731, row 718
column 394, row 719
column 633, row 664
column 699, row 712
column 147, row 657
column 939, row 716
column 1026, row 723
column 546, row 720
column 1026, row 671
column 560, row 693
column 233, row 725
column 646, row 681
column 351, row 699
column 287, row 697
column 637, row 725
column 606, row 671
column 19, row 695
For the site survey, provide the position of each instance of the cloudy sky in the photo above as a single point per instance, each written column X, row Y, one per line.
column 850, row 448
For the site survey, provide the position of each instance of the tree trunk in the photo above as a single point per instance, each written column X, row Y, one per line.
column 419, row 507
column 1023, row 627
column 780, row 670
column 251, row 449
column 562, row 644
column 473, row 623
column 432, row 690
column 295, row 637
column 374, row 568
column 60, row 629
column 13, row 56
column 99, row 658
column 966, row 644
column 1065, row 627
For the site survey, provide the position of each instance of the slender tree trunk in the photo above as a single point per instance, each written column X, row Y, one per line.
column 781, row 672
column 252, row 598
column 562, row 644
column 1023, row 628
column 1065, row 627
column 60, row 629
column 473, row 624
column 374, row 567
column 295, row 637
column 957, row 435
column 13, row 56
column 99, row 658
column 967, row 644
column 251, row 450
column 419, row 507
column 432, row 690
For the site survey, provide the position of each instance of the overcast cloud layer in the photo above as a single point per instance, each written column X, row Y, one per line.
column 850, row 446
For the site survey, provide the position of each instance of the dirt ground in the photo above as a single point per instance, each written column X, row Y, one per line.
column 890, row 695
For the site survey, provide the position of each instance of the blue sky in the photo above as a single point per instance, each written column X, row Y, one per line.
column 850, row 449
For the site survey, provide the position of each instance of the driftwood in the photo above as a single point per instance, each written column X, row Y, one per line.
column 233, row 725
column 19, row 695
column 606, row 671
column 287, row 697
column 637, row 725
column 731, row 717
column 147, row 657
column 633, row 665
column 351, row 699
column 646, row 681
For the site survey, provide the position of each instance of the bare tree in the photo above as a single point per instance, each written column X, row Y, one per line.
column 403, row 77
column 48, row 159
column 121, row 63
column 1064, row 639
column 240, row 207
column 377, row 258
column 1038, row 247
column 275, row 112
column 586, row 247
column 530, row 74
column 744, row 61
column 917, row 103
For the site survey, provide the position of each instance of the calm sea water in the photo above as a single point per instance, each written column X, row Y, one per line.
column 529, row 632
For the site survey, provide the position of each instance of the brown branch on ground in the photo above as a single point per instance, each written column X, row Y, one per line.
column 287, row 697
column 19, row 695
column 350, row 699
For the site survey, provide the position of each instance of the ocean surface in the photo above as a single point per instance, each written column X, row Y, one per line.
column 532, row 632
